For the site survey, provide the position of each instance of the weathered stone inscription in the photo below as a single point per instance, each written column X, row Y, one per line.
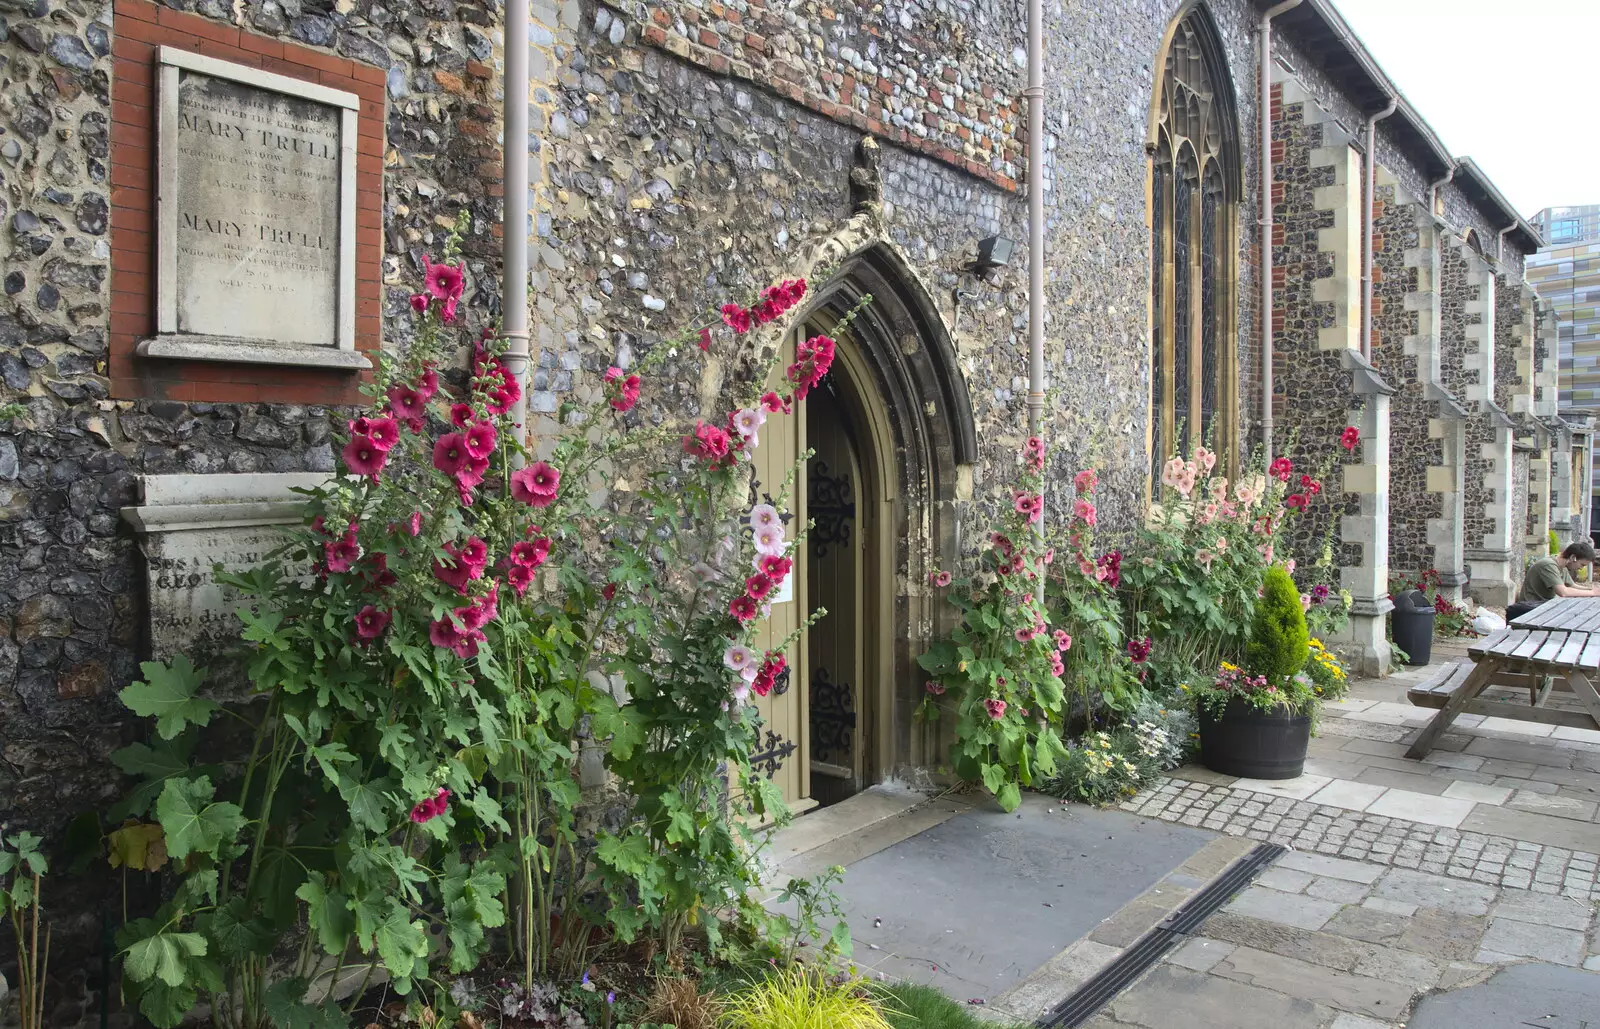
column 189, row 609
column 257, row 213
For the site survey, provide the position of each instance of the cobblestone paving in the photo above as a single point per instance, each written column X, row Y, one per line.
column 1493, row 860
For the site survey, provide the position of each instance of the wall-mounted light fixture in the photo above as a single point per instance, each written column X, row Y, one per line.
column 994, row 253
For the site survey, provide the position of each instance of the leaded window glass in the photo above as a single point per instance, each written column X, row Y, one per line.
column 1194, row 189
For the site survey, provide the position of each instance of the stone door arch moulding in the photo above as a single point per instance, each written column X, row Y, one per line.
column 918, row 441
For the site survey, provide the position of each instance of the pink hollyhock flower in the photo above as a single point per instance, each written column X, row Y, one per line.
column 507, row 393
column 362, row 456
column 1281, row 469
column 1297, row 501
column 419, row 302
column 622, row 391
column 480, row 440
column 519, row 578
column 1205, row 459
column 1172, row 472
column 941, row 579
column 772, row 666
column 769, row 541
column 1205, row 557
column 342, row 554
column 444, row 281
column 450, row 453
column 758, row 586
column 812, row 360
column 377, row 572
column 462, row 415
column 1350, row 437
column 1085, row 512
column 444, row 633
column 406, row 403
column 707, row 442
column 447, row 311
column 1139, row 650
column 1085, row 481
column 1218, row 487
column 1185, row 483
column 996, row 708
column 776, row 568
column 370, row 622
column 742, row 608
column 1086, row 567
column 705, row 339
column 414, row 524
column 748, row 421
column 431, row 808
column 736, row 318
column 475, row 552
column 772, row 403
column 1058, row 667
column 530, row 553
column 1063, row 641
column 738, row 657
column 428, row 382
column 536, row 485
column 1266, row 552
column 1305, row 601
column 1288, row 566
column 764, row 516
column 933, row 688
column 1221, row 546
column 1049, row 555
column 1246, row 496
column 1024, row 634
column 383, row 432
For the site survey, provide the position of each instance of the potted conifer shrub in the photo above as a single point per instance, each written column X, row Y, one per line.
column 1255, row 720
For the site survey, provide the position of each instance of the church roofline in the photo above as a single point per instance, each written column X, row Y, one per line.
column 1321, row 32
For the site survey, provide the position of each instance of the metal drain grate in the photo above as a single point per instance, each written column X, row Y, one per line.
column 1153, row 945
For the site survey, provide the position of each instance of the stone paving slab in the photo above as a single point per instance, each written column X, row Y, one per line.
column 1532, row 994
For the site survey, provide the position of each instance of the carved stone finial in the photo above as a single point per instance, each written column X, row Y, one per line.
column 866, row 178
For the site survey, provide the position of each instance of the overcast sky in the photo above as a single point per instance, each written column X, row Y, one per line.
column 1513, row 84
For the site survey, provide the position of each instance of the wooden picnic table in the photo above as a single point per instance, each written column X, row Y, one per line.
column 1556, row 646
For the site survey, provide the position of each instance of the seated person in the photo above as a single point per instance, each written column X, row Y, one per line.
column 1550, row 577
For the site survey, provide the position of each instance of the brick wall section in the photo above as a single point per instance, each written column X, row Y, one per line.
column 141, row 27
column 1411, row 450
column 934, row 76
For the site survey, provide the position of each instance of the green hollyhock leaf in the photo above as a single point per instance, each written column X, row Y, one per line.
column 168, row 695
column 327, row 913
column 367, row 803
column 156, row 765
column 401, row 943
column 163, row 956
column 194, row 824
column 166, row 1005
column 1009, row 797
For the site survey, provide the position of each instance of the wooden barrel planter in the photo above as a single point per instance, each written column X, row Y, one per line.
column 1254, row 744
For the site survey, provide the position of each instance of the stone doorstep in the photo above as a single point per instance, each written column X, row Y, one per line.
column 873, row 820
column 1061, row 976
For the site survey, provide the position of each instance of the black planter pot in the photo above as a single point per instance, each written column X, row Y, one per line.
column 1254, row 744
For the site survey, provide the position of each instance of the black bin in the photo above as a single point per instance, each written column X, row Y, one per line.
column 1413, row 626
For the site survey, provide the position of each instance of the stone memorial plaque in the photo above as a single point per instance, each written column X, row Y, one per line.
column 188, row 525
column 257, row 199
column 255, row 216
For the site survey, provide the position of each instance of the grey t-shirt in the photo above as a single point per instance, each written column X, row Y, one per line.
column 1544, row 575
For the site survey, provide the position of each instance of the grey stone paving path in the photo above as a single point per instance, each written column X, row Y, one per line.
column 1321, row 942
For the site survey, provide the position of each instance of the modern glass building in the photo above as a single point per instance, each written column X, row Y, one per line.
column 1566, row 272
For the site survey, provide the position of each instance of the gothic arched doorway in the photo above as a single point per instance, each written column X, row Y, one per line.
column 892, row 428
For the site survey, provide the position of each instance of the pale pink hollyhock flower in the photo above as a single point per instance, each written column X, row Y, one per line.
column 1185, row 483
column 1265, row 551
column 1218, row 487
column 1205, row 557
column 1288, row 566
column 1208, row 514
column 749, row 421
column 769, row 541
column 1086, row 566
column 737, row 657
column 1205, row 458
column 1305, row 601
column 1245, row 495
column 1148, row 562
column 749, row 672
column 764, row 516
column 741, row 691
column 1222, row 544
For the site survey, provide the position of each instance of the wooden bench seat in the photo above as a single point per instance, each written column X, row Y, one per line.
column 1436, row 688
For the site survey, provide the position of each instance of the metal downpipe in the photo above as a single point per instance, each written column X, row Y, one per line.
column 514, row 148
column 1036, row 152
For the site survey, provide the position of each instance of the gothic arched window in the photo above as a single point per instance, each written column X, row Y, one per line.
column 1194, row 187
